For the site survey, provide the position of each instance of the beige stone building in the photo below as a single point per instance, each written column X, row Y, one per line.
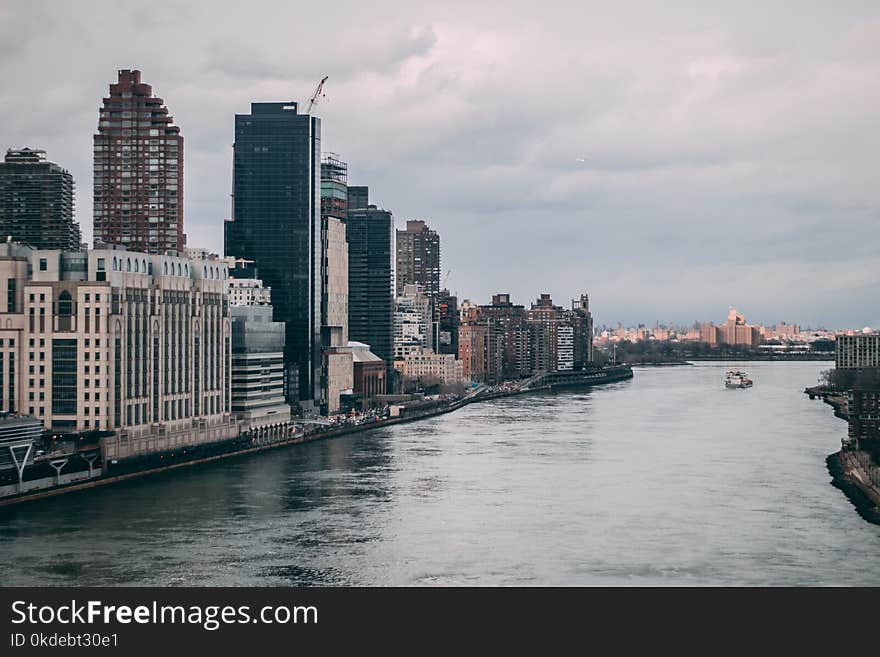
column 425, row 364
column 338, row 365
column 112, row 339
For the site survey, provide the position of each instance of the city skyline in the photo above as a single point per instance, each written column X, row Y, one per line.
column 701, row 203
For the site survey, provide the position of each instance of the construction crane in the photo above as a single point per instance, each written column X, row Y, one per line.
column 445, row 279
column 314, row 99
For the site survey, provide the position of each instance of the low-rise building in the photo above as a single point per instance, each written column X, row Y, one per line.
column 258, row 367
column 425, row 364
column 369, row 372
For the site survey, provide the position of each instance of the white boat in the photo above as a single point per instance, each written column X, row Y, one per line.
column 737, row 379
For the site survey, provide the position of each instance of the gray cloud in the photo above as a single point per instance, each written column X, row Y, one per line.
column 729, row 152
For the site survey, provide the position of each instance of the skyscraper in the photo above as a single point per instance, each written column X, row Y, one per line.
column 276, row 222
column 138, row 170
column 358, row 197
column 418, row 259
column 370, row 233
column 36, row 201
column 337, row 360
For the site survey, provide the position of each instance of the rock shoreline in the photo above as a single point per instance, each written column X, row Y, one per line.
column 863, row 504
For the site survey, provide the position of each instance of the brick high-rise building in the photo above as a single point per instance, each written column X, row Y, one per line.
column 418, row 259
column 510, row 335
column 138, row 170
column 36, row 201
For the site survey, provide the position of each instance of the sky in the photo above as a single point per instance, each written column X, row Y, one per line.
column 670, row 159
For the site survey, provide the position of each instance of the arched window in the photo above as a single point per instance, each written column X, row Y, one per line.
column 65, row 311
column 128, row 264
column 115, row 263
column 165, row 269
column 65, row 304
column 136, row 266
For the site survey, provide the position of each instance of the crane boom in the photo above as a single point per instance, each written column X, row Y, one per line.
column 314, row 99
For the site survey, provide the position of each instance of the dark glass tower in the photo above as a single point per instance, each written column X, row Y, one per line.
column 370, row 234
column 276, row 222
column 36, row 202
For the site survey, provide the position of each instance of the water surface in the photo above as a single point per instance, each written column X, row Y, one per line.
column 668, row 479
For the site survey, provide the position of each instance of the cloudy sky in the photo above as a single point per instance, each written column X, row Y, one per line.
column 670, row 161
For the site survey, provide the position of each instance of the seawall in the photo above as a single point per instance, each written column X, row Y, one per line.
column 847, row 476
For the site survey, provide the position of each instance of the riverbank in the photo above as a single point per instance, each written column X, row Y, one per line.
column 849, row 467
column 105, row 476
column 848, row 476
column 834, row 398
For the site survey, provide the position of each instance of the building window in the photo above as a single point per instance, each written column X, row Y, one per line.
column 64, row 376
column 65, row 310
column 10, row 295
column 44, row 265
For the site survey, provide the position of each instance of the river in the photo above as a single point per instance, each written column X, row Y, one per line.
column 667, row 479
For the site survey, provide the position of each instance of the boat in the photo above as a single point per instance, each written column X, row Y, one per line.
column 737, row 379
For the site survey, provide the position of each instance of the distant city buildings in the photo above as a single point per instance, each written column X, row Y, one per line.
column 734, row 332
column 138, row 171
column 504, row 340
column 276, row 223
column 36, row 201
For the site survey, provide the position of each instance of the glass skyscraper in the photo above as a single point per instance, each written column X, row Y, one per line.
column 276, row 222
column 370, row 234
